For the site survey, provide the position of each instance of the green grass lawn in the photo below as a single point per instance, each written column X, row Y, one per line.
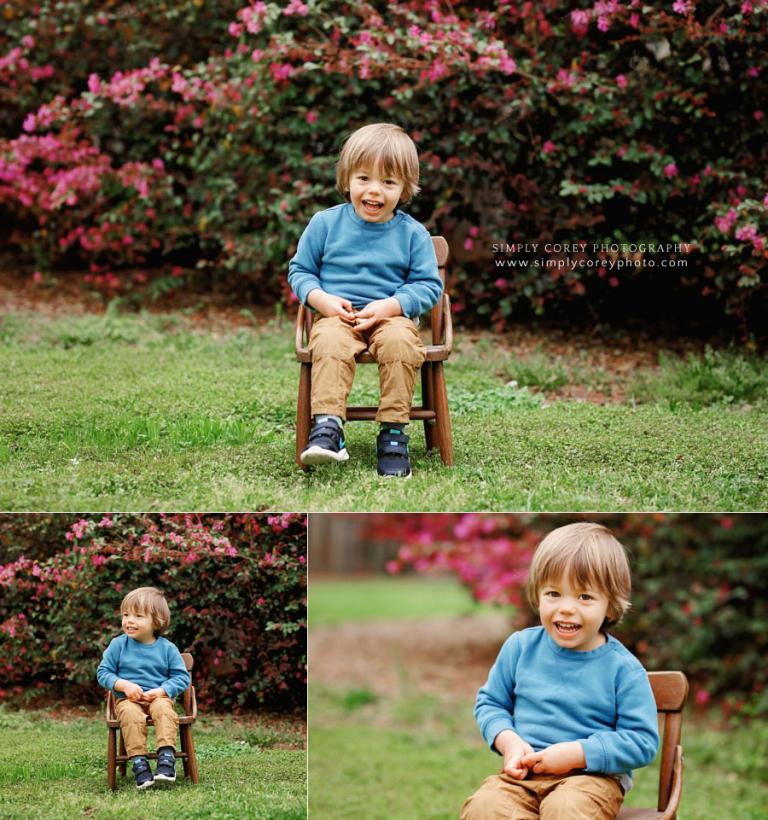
column 144, row 412
column 416, row 752
column 427, row 763
column 386, row 597
column 55, row 768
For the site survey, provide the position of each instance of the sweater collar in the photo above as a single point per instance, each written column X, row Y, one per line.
column 397, row 217
column 576, row 654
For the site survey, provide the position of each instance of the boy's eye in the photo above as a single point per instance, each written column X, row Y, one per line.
column 586, row 596
column 551, row 593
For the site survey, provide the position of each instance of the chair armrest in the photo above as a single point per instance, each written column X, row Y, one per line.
column 676, row 790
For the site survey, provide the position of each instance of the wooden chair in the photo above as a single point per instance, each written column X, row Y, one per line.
column 670, row 690
column 187, row 753
column 434, row 407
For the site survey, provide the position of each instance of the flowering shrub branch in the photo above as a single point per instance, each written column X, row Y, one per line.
column 613, row 123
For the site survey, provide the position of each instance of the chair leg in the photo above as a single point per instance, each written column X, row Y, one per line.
column 428, row 403
column 111, row 754
column 444, row 435
column 183, row 744
column 303, row 411
column 123, row 765
column 191, row 756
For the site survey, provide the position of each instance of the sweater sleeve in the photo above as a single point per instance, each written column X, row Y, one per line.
column 495, row 704
column 106, row 674
column 635, row 740
column 178, row 678
column 304, row 268
column 423, row 287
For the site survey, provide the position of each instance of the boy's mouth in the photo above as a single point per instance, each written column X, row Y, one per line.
column 371, row 206
column 565, row 628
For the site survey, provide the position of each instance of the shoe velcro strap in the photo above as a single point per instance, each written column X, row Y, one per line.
column 324, row 431
column 393, row 448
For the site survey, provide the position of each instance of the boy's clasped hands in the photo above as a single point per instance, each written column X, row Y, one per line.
column 520, row 758
column 136, row 694
column 329, row 305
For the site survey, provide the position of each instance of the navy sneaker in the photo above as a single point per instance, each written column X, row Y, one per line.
column 392, row 453
column 166, row 765
column 142, row 773
column 326, row 443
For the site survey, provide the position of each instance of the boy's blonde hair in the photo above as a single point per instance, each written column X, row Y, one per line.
column 384, row 145
column 590, row 555
column 148, row 601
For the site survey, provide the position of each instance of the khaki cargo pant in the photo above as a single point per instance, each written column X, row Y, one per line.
column 395, row 345
column 133, row 723
column 545, row 796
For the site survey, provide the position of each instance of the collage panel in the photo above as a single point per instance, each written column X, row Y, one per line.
column 425, row 649
column 153, row 665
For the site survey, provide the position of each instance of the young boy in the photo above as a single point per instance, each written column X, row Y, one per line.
column 566, row 705
column 146, row 672
column 369, row 270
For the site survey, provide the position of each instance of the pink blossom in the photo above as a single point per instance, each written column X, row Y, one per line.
column 311, row 117
column 753, row 71
column 634, row 20
column 682, row 6
column 256, row 55
column 28, row 41
column 37, row 277
column 603, row 23
column 702, row 697
column 507, row 65
column 473, row 230
column 235, row 29
column 468, row 244
column 296, row 7
column 580, row 22
column 670, row 170
column 549, row 147
column 621, row 81
column 94, row 83
column 501, row 284
column 758, row 115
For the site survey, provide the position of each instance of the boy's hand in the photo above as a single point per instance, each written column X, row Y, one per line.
column 556, row 759
column 132, row 691
column 327, row 304
column 375, row 311
column 153, row 694
column 514, row 748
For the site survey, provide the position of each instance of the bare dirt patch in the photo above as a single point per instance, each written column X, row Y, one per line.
column 437, row 656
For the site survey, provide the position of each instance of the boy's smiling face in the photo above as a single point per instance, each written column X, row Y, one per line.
column 139, row 626
column 374, row 194
column 573, row 615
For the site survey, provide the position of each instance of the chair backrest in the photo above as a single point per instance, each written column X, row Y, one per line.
column 441, row 252
column 670, row 690
column 189, row 662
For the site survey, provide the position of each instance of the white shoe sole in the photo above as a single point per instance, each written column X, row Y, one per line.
column 146, row 785
column 161, row 778
column 410, row 475
column 316, row 455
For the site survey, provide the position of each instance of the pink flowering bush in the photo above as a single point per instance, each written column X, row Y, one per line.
column 617, row 124
column 698, row 583
column 236, row 585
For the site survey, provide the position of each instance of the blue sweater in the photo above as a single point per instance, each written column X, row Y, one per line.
column 150, row 665
column 342, row 254
column 547, row 694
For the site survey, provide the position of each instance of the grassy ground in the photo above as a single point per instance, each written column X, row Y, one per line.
column 54, row 768
column 405, row 745
column 144, row 412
